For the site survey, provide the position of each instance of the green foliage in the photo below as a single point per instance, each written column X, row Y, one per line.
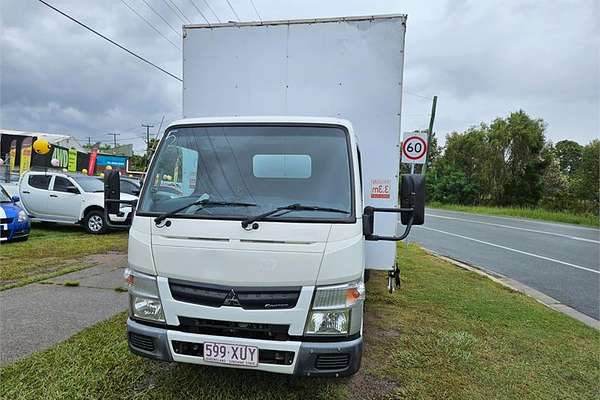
column 569, row 154
column 510, row 163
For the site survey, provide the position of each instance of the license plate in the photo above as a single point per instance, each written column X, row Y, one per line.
column 232, row 354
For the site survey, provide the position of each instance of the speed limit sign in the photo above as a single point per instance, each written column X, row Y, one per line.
column 414, row 147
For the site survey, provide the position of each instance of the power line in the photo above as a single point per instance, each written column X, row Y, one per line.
column 179, row 9
column 200, row 12
column 256, row 11
column 418, row 95
column 232, row 9
column 212, row 11
column 114, row 135
column 173, row 10
column 147, row 126
column 150, row 24
column 111, row 41
column 161, row 17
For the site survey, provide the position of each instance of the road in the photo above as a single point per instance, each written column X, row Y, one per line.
column 559, row 260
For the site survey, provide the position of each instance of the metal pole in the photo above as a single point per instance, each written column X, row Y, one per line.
column 430, row 132
column 412, row 168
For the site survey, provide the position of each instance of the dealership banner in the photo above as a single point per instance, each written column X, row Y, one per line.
column 26, row 155
column 13, row 154
column 72, row 166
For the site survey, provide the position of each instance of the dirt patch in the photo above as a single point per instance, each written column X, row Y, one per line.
column 365, row 386
column 110, row 259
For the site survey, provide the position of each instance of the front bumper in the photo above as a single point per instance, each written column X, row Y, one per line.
column 333, row 359
column 15, row 230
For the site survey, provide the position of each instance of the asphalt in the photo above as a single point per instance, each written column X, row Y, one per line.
column 559, row 260
column 37, row 316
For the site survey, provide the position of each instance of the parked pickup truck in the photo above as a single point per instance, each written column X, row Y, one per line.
column 68, row 198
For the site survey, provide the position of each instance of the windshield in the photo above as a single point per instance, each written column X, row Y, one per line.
column 267, row 166
column 4, row 197
column 90, row 183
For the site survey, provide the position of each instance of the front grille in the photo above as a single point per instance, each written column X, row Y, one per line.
column 141, row 342
column 332, row 361
column 265, row 356
column 6, row 220
column 249, row 298
column 248, row 330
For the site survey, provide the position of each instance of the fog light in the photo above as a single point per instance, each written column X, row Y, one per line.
column 328, row 322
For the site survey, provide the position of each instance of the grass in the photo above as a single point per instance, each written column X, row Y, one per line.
column 71, row 283
column 52, row 250
column 447, row 334
column 532, row 213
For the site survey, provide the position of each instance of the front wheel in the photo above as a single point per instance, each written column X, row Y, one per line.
column 94, row 222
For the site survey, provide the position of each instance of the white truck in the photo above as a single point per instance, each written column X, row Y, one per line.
column 255, row 225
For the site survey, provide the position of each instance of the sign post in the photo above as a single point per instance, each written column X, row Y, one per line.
column 414, row 149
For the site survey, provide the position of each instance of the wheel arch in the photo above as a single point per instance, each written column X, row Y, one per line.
column 92, row 207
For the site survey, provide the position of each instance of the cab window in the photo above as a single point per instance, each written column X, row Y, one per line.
column 62, row 184
column 39, row 181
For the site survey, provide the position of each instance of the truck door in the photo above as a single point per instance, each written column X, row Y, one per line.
column 33, row 191
column 64, row 200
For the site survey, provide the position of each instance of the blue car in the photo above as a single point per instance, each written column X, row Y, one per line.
column 14, row 222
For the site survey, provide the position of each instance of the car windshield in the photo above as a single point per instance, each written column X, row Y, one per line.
column 90, row 183
column 4, row 196
column 267, row 166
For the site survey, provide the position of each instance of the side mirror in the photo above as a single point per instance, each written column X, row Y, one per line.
column 412, row 195
column 15, row 199
column 112, row 191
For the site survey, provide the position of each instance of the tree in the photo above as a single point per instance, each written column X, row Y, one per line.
column 569, row 155
column 556, row 194
column 523, row 143
column 586, row 182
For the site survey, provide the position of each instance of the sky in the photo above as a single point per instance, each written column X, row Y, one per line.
column 483, row 59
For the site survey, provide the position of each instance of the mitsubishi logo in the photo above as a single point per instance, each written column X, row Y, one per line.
column 232, row 299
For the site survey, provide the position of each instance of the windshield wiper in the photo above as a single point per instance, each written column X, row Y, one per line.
column 289, row 208
column 202, row 202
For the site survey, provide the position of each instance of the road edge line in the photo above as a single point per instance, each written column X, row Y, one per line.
column 512, row 284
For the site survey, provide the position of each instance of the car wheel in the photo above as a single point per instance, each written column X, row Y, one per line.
column 94, row 222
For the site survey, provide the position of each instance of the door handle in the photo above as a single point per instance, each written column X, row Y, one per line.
column 53, row 195
column 26, row 192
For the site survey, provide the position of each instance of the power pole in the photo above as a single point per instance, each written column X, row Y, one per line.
column 430, row 132
column 89, row 141
column 114, row 135
column 147, row 137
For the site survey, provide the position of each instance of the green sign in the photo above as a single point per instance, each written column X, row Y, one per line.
column 72, row 160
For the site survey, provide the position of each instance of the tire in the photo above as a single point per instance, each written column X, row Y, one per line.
column 94, row 222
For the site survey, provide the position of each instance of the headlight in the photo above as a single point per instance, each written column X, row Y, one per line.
column 332, row 308
column 339, row 296
column 22, row 216
column 144, row 299
column 328, row 322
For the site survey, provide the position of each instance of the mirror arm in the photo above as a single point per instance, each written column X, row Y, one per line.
column 370, row 212
column 394, row 238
